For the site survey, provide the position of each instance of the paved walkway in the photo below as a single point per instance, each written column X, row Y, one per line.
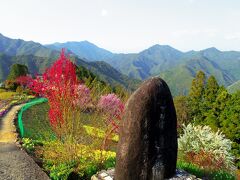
column 15, row 164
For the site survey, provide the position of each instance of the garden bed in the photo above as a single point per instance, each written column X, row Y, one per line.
column 39, row 131
column 39, row 136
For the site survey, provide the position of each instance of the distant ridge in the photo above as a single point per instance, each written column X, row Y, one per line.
column 176, row 67
column 83, row 49
column 38, row 57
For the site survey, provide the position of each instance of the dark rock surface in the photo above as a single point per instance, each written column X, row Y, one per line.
column 147, row 148
column 15, row 164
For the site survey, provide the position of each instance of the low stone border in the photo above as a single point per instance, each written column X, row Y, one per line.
column 109, row 175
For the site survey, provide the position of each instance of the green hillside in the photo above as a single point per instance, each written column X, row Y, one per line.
column 109, row 74
column 37, row 65
column 17, row 47
column 179, row 79
column 234, row 87
column 175, row 66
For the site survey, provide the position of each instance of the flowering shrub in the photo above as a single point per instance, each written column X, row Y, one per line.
column 112, row 108
column 201, row 145
column 83, row 94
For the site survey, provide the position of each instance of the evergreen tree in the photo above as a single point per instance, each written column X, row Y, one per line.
column 210, row 92
column 16, row 71
column 229, row 122
column 181, row 104
column 196, row 96
column 213, row 106
column 210, row 95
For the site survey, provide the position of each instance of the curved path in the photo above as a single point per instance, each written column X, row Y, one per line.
column 15, row 164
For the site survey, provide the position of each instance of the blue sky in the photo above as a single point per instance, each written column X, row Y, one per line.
column 125, row 25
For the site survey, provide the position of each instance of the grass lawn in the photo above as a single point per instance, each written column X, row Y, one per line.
column 36, row 124
column 37, row 127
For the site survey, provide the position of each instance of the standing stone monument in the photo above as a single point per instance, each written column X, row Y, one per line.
column 147, row 148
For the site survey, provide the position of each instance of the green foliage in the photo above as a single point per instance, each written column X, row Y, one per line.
column 190, row 168
column 219, row 110
column 16, row 71
column 37, row 127
column 202, row 173
column 60, row 158
column 182, row 107
column 57, row 156
column 211, row 91
column 212, row 105
column 196, row 95
column 229, row 121
column 28, row 144
column 109, row 163
column 61, row 171
column 84, row 74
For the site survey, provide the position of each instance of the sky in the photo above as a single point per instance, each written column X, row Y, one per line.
column 125, row 25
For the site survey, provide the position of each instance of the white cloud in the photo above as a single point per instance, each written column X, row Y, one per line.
column 194, row 32
column 191, row 1
column 104, row 12
column 232, row 36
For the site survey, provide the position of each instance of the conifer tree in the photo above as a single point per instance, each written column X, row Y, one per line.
column 229, row 121
column 209, row 100
column 16, row 71
column 210, row 92
column 181, row 104
column 196, row 96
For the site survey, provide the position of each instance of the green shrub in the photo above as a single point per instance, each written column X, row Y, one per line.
column 110, row 162
column 28, row 144
column 61, row 171
column 87, row 161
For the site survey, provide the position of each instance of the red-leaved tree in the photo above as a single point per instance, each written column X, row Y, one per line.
column 66, row 95
column 68, row 98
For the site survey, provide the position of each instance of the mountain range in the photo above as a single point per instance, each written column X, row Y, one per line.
column 38, row 57
column 177, row 68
